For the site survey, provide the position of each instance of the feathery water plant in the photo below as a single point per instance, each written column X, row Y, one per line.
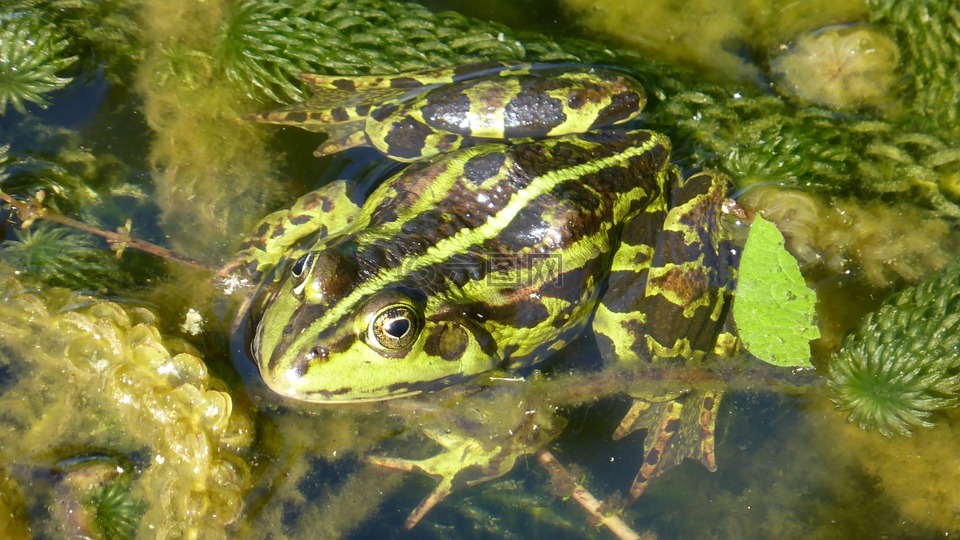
column 116, row 512
column 265, row 45
column 928, row 34
column 101, row 32
column 32, row 54
column 903, row 362
column 58, row 256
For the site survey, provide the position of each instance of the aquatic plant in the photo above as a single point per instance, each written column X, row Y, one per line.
column 32, row 54
column 57, row 256
column 883, row 244
column 115, row 511
column 928, row 34
column 99, row 32
column 841, row 67
column 264, row 46
column 753, row 136
column 902, row 363
column 76, row 180
column 81, row 372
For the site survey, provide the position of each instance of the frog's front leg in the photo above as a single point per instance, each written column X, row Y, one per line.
column 481, row 440
column 322, row 212
column 666, row 302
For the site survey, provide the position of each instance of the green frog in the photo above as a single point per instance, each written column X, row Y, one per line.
column 490, row 257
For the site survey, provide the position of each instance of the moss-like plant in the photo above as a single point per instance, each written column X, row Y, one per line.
column 115, row 511
column 32, row 54
column 99, row 32
column 58, row 256
column 929, row 37
column 903, row 362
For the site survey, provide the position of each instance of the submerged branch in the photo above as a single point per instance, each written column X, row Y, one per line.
column 658, row 379
column 572, row 488
column 118, row 241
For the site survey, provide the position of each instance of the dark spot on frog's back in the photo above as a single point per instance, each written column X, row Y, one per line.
column 519, row 313
column 532, row 115
column 407, row 137
column 301, row 219
column 339, row 114
column 446, row 108
column 405, row 82
column 297, row 117
column 263, row 230
column 615, row 140
column 622, row 106
column 482, row 167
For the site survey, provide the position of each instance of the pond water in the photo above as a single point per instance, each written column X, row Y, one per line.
column 121, row 420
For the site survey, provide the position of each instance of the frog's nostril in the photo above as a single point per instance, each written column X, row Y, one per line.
column 318, row 353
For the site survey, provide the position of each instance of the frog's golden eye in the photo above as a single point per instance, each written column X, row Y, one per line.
column 393, row 328
column 301, row 268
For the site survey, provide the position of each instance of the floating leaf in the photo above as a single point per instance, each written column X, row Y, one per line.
column 774, row 308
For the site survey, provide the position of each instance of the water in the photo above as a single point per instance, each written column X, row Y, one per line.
column 195, row 177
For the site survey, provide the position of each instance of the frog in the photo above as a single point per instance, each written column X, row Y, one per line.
column 489, row 253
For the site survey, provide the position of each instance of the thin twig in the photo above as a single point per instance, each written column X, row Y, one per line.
column 562, row 477
column 118, row 241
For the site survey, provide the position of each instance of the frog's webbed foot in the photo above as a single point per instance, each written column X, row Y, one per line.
column 467, row 460
column 677, row 428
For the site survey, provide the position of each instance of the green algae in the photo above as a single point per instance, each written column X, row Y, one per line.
column 88, row 374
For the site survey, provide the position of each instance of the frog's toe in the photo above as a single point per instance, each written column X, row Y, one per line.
column 677, row 428
column 341, row 137
column 444, row 487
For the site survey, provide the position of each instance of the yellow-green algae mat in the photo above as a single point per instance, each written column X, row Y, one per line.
column 89, row 381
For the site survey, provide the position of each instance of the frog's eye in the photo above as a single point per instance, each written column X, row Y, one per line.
column 393, row 328
column 300, row 269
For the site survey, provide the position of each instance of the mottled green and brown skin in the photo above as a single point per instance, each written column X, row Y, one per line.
column 495, row 257
column 417, row 115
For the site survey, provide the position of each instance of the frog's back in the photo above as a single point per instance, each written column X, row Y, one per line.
column 504, row 201
column 520, row 236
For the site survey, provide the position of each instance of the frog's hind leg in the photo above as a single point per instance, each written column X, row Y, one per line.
column 677, row 428
column 665, row 302
column 342, row 137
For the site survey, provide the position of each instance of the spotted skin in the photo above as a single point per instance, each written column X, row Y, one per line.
column 418, row 232
column 413, row 116
column 499, row 253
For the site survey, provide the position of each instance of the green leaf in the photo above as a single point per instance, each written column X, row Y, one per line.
column 774, row 308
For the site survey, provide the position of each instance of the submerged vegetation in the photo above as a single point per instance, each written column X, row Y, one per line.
column 32, row 53
column 872, row 194
column 102, row 378
column 903, row 362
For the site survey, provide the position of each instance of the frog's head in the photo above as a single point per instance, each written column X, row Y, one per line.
column 332, row 333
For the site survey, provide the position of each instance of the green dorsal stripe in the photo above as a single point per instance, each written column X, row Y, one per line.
column 467, row 238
